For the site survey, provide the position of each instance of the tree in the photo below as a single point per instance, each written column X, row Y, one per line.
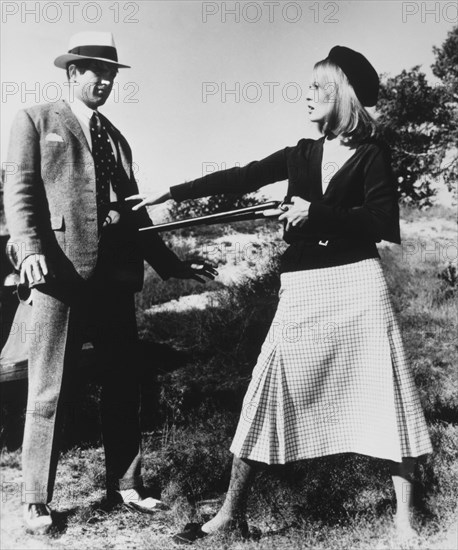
column 420, row 123
column 446, row 65
column 446, row 68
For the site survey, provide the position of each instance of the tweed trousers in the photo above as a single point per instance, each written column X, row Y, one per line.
column 60, row 317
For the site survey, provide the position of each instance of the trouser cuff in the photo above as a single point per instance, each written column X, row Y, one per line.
column 131, row 483
column 123, row 484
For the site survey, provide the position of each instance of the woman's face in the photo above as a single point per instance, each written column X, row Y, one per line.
column 320, row 99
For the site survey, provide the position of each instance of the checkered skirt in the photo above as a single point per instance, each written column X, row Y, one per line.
column 332, row 375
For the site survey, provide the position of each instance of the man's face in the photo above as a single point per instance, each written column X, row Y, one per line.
column 92, row 82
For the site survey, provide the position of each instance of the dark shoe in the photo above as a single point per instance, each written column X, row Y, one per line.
column 193, row 532
column 111, row 501
column 37, row 518
column 190, row 533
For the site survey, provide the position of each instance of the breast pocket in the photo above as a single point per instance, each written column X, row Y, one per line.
column 53, row 160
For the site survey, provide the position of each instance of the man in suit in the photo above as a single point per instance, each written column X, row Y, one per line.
column 80, row 250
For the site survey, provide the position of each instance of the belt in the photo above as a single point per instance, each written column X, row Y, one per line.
column 326, row 241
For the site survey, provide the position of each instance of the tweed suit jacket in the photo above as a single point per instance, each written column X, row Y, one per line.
column 50, row 197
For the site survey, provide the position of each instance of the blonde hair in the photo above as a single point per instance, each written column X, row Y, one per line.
column 348, row 117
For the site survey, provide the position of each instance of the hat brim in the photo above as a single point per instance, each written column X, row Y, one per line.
column 63, row 60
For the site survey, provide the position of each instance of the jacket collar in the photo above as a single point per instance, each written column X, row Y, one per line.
column 70, row 120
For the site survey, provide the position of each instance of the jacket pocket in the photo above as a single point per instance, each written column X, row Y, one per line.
column 58, row 227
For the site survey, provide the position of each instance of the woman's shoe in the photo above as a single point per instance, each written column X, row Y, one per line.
column 193, row 531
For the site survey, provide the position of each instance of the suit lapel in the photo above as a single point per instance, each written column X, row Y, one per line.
column 316, row 157
column 72, row 123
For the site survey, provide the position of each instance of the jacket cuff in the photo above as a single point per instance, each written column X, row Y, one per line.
column 317, row 212
column 17, row 251
column 168, row 266
column 164, row 274
column 180, row 192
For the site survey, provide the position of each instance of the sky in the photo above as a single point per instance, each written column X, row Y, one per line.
column 212, row 84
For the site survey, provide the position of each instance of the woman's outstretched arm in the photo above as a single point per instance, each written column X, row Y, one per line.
column 240, row 180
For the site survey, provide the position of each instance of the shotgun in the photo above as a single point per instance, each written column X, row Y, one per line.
column 260, row 211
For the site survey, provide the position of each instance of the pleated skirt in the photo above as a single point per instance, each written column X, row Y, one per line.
column 332, row 375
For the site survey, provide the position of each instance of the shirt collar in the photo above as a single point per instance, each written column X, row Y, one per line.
column 81, row 110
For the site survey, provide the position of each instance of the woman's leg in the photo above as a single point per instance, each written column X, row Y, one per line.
column 234, row 506
column 402, row 474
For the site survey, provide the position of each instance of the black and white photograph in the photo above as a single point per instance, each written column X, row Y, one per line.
column 228, row 286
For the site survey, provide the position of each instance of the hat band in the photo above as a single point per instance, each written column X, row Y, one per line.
column 106, row 52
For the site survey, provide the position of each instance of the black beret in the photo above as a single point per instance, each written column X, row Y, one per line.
column 360, row 73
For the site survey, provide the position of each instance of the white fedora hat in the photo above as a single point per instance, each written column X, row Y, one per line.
column 90, row 45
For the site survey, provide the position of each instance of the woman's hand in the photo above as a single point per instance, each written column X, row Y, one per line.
column 297, row 213
column 149, row 199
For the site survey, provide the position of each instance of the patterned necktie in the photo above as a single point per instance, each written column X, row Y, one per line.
column 105, row 165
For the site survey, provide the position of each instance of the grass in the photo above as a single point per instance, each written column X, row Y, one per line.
column 193, row 397
column 442, row 212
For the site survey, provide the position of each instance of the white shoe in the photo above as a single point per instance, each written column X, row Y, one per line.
column 133, row 499
column 404, row 532
column 37, row 518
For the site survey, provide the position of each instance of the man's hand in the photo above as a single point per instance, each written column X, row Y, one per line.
column 34, row 270
column 149, row 199
column 112, row 218
column 297, row 214
column 196, row 269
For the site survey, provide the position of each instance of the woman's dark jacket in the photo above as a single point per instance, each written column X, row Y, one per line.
column 358, row 209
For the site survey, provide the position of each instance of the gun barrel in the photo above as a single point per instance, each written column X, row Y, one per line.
column 248, row 213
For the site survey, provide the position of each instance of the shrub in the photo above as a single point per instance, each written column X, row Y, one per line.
column 222, row 344
column 194, row 461
column 448, row 283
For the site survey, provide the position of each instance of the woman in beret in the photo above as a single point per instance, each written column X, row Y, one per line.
column 332, row 375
